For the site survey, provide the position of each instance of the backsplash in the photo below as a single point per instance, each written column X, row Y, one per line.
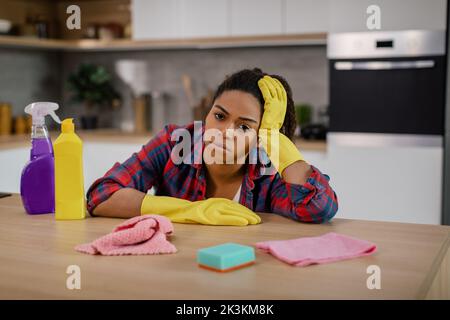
column 29, row 75
column 42, row 76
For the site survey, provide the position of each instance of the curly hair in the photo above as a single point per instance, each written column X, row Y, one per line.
column 246, row 80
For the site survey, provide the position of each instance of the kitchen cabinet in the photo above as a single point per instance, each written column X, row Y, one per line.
column 94, row 161
column 175, row 19
column 399, row 184
column 402, row 184
column 119, row 146
column 204, row 18
column 155, row 19
column 159, row 19
column 307, row 16
column 13, row 161
column 256, row 17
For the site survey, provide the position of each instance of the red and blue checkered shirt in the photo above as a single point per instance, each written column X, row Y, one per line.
column 314, row 201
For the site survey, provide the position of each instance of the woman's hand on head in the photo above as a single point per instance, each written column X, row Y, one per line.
column 280, row 149
column 275, row 103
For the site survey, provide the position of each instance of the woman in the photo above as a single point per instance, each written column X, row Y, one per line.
column 248, row 103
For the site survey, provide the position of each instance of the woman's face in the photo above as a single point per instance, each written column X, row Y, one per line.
column 236, row 115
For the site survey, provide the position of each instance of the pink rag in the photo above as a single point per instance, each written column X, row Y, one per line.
column 327, row 248
column 144, row 234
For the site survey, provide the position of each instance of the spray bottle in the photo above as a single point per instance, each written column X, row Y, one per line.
column 37, row 184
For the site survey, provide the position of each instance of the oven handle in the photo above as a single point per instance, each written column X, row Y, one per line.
column 383, row 65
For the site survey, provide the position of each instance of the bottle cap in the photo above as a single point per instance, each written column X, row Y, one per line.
column 67, row 126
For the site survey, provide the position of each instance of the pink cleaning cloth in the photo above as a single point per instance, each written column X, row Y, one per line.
column 327, row 248
column 144, row 234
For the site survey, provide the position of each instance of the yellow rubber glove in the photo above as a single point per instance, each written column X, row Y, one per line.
column 212, row 211
column 280, row 149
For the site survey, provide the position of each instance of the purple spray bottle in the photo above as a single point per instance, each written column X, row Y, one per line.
column 37, row 184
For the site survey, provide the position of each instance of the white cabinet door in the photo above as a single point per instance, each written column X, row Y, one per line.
column 174, row 19
column 399, row 184
column 256, row 17
column 155, row 19
column 204, row 18
column 95, row 162
column 12, row 162
column 307, row 16
column 402, row 184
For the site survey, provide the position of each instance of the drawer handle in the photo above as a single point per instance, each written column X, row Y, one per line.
column 384, row 65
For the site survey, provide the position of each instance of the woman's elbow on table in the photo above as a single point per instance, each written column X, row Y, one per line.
column 319, row 209
column 124, row 203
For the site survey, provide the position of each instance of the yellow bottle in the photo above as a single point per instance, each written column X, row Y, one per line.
column 70, row 203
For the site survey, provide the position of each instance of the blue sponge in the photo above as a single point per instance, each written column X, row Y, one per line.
column 226, row 257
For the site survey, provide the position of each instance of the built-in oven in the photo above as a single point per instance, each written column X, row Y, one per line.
column 392, row 83
column 386, row 124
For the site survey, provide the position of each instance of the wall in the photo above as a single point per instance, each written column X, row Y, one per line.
column 351, row 16
column 446, row 167
column 27, row 76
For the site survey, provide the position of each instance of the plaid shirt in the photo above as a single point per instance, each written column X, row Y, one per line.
column 314, row 201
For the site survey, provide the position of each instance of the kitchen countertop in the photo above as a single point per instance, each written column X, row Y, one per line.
column 35, row 252
column 117, row 136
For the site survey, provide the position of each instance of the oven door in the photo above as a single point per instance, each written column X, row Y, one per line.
column 388, row 95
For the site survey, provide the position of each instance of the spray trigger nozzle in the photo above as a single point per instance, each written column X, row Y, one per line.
column 54, row 116
column 38, row 111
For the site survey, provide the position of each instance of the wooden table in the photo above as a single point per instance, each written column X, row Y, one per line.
column 35, row 252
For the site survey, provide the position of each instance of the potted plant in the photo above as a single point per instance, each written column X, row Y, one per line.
column 303, row 114
column 91, row 85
